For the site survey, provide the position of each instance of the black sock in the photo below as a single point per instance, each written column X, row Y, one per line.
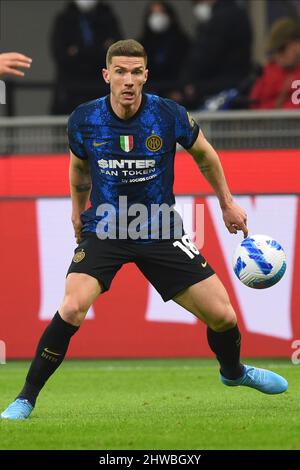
column 226, row 346
column 49, row 355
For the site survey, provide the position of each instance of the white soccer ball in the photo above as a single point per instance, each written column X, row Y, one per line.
column 259, row 261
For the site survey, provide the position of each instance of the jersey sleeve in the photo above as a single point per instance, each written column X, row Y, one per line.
column 75, row 137
column 187, row 129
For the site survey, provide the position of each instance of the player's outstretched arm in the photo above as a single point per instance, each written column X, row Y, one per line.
column 11, row 62
column 210, row 166
column 80, row 188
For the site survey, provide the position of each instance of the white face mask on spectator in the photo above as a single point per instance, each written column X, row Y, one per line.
column 85, row 5
column 158, row 22
column 203, row 12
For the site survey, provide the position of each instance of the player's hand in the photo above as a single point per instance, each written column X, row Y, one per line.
column 76, row 221
column 10, row 62
column 235, row 219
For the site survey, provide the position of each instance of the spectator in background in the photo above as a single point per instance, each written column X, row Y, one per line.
column 274, row 88
column 280, row 9
column 220, row 57
column 166, row 45
column 80, row 37
column 11, row 62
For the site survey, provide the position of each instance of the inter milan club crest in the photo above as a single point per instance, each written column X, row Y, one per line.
column 79, row 256
column 191, row 120
column 126, row 142
column 154, row 143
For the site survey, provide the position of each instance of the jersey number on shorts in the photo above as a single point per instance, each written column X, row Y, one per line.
column 187, row 246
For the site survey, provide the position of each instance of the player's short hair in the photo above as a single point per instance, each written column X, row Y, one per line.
column 127, row 48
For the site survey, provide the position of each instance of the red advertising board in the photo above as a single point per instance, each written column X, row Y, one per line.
column 130, row 320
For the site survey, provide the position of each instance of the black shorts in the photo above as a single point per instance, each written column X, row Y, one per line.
column 169, row 268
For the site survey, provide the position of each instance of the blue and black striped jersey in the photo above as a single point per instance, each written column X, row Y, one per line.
column 132, row 159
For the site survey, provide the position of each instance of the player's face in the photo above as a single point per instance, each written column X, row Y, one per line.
column 126, row 76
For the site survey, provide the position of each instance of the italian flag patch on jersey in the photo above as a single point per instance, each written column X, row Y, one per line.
column 126, row 142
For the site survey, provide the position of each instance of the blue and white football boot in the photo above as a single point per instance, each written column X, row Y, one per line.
column 18, row 409
column 263, row 380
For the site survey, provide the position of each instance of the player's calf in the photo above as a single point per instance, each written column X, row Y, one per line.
column 50, row 353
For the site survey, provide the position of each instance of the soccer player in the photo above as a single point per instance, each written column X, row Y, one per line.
column 122, row 150
column 11, row 62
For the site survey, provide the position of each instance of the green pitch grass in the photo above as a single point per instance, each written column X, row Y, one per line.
column 151, row 404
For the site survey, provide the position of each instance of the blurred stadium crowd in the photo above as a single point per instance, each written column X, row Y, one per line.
column 211, row 70
column 214, row 70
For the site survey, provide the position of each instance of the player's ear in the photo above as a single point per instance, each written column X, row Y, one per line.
column 146, row 75
column 105, row 75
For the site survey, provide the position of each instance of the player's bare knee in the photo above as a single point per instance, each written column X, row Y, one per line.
column 223, row 324
column 224, row 320
column 73, row 311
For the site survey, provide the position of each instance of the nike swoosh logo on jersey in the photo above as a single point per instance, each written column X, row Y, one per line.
column 51, row 352
column 98, row 144
column 204, row 264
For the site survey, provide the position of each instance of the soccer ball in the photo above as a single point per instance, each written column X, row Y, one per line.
column 259, row 261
